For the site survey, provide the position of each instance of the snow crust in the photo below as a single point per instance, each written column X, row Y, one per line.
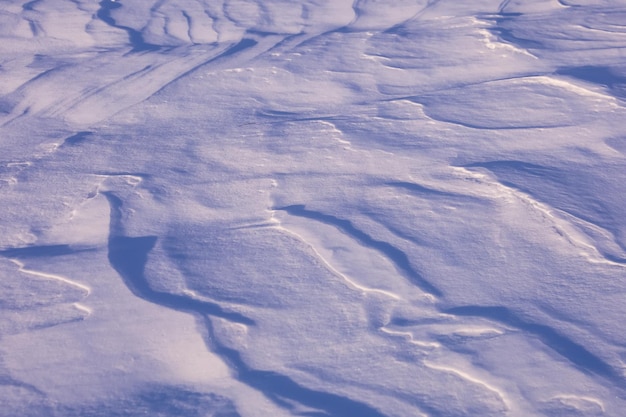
column 312, row 208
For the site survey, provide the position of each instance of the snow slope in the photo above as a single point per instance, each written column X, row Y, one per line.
column 312, row 208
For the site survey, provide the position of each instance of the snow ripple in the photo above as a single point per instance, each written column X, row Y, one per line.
column 264, row 207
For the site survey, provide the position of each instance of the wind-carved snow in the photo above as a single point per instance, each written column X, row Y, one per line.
column 348, row 208
column 32, row 299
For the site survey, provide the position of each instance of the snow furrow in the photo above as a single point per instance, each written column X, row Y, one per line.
column 258, row 208
column 128, row 256
column 395, row 255
column 569, row 349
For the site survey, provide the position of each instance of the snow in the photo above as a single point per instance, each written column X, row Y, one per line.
column 276, row 208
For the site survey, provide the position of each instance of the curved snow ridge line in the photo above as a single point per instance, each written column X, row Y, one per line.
column 282, row 389
column 128, row 257
column 8, row 181
column 7, row 380
column 477, row 331
column 450, row 105
column 533, row 78
column 418, row 189
column 143, row 84
column 83, row 308
column 275, row 223
column 575, row 401
column 130, row 79
column 13, row 169
column 21, row 268
column 558, row 217
column 396, row 256
column 204, row 299
column 368, row 15
column 600, row 238
column 109, row 181
column 19, row 165
column 576, row 89
column 135, row 38
column 94, row 105
column 133, row 179
column 605, row 77
column 605, row 258
column 503, row 39
column 434, row 329
column 328, row 265
column 410, row 338
column 575, row 353
column 438, row 118
column 488, row 36
column 470, row 378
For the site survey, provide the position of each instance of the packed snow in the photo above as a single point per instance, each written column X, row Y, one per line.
column 348, row 208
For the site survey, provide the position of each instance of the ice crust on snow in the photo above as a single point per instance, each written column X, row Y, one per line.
column 350, row 208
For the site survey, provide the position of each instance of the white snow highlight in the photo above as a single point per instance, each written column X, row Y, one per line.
column 251, row 208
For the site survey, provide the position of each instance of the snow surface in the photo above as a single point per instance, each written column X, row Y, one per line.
column 251, row 208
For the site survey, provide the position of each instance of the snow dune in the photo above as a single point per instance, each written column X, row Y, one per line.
column 348, row 208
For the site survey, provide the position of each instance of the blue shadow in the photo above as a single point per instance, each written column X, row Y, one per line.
column 41, row 251
column 77, row 138
column 128, row 256
column 570, row 350
column 135, row 38
column 283, row 390
column 395, row 255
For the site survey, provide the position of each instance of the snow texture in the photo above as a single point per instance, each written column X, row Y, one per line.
column 252, row 208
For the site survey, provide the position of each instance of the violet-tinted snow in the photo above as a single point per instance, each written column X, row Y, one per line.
column 338, row 208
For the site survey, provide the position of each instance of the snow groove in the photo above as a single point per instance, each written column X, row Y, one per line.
column 570, row 350
column 128, row 256
column 282, row 389
column 32, row 299
column 584, row 226
column 398, row 257
column 328, row 208
column 135, row 38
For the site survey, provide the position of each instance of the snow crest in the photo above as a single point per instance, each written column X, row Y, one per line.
column 325, row 208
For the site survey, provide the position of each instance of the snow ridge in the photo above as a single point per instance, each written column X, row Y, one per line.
column 267, row 207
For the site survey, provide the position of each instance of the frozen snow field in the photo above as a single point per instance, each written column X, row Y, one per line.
column 339, row 208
